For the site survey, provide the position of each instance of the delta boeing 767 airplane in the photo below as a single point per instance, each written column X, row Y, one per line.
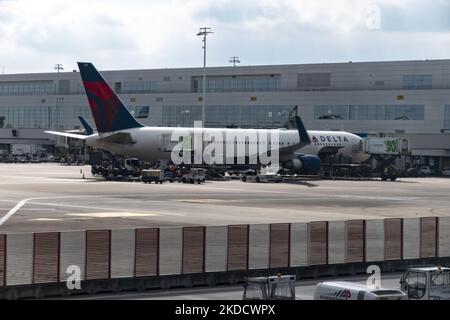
column 120, row 133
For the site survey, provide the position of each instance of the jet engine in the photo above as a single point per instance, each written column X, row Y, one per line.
column 305, row 164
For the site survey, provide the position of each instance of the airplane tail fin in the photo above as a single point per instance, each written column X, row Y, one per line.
column 110, row 113
column 86, row 126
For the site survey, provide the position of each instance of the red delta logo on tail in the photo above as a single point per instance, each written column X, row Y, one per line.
column 104, row 104
column 110, row 113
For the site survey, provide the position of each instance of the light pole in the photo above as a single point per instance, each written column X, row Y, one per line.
column 204, row 33
column 58, row 67
column 234, row 60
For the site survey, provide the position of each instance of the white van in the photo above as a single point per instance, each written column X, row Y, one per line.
column 343, row 290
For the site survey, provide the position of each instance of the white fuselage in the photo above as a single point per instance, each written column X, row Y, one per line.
column 156, row 143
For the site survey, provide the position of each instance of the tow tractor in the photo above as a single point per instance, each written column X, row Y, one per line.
column 426, row 283
column 270, row 288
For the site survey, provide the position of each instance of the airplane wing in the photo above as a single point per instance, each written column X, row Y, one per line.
column 295, row 122
column 68, row 135
column 331, row 150
column 118, row 138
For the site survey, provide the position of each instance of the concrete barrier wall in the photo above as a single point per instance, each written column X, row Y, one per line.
column 411, row 238
column 259, row 243
column 374, row 240
column 122, row 253
column 337, row 235
column 444, row 237
column 299, row 244
column 170, row 250
column 216, row 249
column 19, row 259
column 2, row 260
column 72, row 253
column 42, row 258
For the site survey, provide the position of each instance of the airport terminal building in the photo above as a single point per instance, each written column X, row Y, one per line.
column 385, row 99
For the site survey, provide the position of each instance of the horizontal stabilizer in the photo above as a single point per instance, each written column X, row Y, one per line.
column 86, row 126
column 68, row 135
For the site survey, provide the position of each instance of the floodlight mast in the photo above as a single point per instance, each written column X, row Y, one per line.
column 59, row 100
column 59, row 67
column 204, row 33
column 234, row 61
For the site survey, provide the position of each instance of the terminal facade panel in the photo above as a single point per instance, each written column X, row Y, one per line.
column 403, row 98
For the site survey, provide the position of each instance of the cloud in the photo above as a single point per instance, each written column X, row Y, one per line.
column 156, row 34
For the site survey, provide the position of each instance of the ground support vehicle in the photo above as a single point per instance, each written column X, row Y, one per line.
column 270, row 288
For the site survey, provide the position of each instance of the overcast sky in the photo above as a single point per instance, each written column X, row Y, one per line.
column 135, row 34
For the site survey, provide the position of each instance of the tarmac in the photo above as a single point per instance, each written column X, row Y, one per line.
column 54, row 197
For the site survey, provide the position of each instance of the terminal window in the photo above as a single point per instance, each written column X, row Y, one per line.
column 243, row 116
column 31, row 117
column 418, row 81
column 82, row 111
column 447, row 117
column 139, row 86
column 369, row 112
column 313, row 80
column 28, row 88
column 140, row 112
column 259, row 83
